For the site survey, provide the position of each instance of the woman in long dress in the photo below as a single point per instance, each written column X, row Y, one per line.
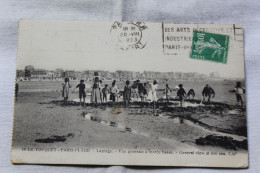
column 152, row 92
column 100, row 89
column 95, row 95
column 127, row 93
column 65, row 90
column 146, row 90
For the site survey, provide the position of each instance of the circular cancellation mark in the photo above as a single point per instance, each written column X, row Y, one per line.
column 128, row 35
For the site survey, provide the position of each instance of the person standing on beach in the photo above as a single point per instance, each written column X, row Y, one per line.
column 100, row 90
column 208, row 92
column 152, row 97
column 95, row 96
column 191, row 92
column 127, row 93
column 65, row 90
column 16, row 90
column 135, row 89
column 154, row 86
column 167, row 92
column 141, row 91
column 105, row 92
column 82, row 93
column 146, row 90
column 113, row 91
column 181, row 93
column 239, row 91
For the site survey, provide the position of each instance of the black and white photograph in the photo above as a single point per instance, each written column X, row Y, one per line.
column 130, row 93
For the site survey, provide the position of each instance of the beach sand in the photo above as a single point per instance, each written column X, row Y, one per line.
column 41, row 120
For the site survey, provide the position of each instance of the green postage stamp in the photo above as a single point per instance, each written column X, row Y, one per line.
column 209, row 46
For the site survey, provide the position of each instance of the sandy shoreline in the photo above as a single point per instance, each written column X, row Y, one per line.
column 40, row 117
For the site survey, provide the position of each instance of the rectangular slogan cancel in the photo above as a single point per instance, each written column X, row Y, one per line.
column 177, row 38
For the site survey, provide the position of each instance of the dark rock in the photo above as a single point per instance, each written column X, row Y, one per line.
column 51, row 139
column 222, row 141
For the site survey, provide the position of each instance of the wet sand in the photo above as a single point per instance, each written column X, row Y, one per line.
column 41, row 120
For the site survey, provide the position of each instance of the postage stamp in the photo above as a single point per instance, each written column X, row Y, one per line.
column 127, row 35
column 210, row 46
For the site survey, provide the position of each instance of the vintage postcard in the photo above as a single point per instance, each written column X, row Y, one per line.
column 130, row 93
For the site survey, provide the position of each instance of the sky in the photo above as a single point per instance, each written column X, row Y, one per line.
column 81, row 45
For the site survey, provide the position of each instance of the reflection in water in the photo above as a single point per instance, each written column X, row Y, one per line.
column 176, row 120
column 90, row 116
column 192, row 124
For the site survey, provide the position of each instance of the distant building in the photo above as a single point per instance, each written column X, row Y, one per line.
column 203, row 76
column 79, row 75
column 122, row 75
column 196, row 75
column 89, row 74
column 178, row 75
column 214, row 75
column 139, row 75
column 58, row 73
column 39, row 74
column 70, row 74
column 108, row 75
column 50, row 75
column 20, row 74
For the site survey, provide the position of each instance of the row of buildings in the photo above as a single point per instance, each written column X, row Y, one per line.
column 57, row 74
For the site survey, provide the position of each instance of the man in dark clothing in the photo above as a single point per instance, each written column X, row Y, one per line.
column 208, row 92
column 181, row 93
column 141, row 90
column 82, row 92
column 16, row 90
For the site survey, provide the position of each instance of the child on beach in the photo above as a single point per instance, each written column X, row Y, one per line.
column 135, row 89
column 82, row 93
column 105, row 92
column 208, row 92
column 239, row 91
column 181, row 93
column 127, row 93
column 167, row 92
column 146, row 90
column 152, row 96
column 191, row 92
column 113, row 91
column 65, row 90
column 141, row 91
column 152, row 93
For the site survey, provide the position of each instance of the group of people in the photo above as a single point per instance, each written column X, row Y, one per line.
column 145, row 91
column 99, row 93
column 207, row 92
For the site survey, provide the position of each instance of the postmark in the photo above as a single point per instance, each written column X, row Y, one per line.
column 128, row 35
column 209, row 46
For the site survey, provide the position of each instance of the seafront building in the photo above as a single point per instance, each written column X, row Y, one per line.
column 30, row 73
